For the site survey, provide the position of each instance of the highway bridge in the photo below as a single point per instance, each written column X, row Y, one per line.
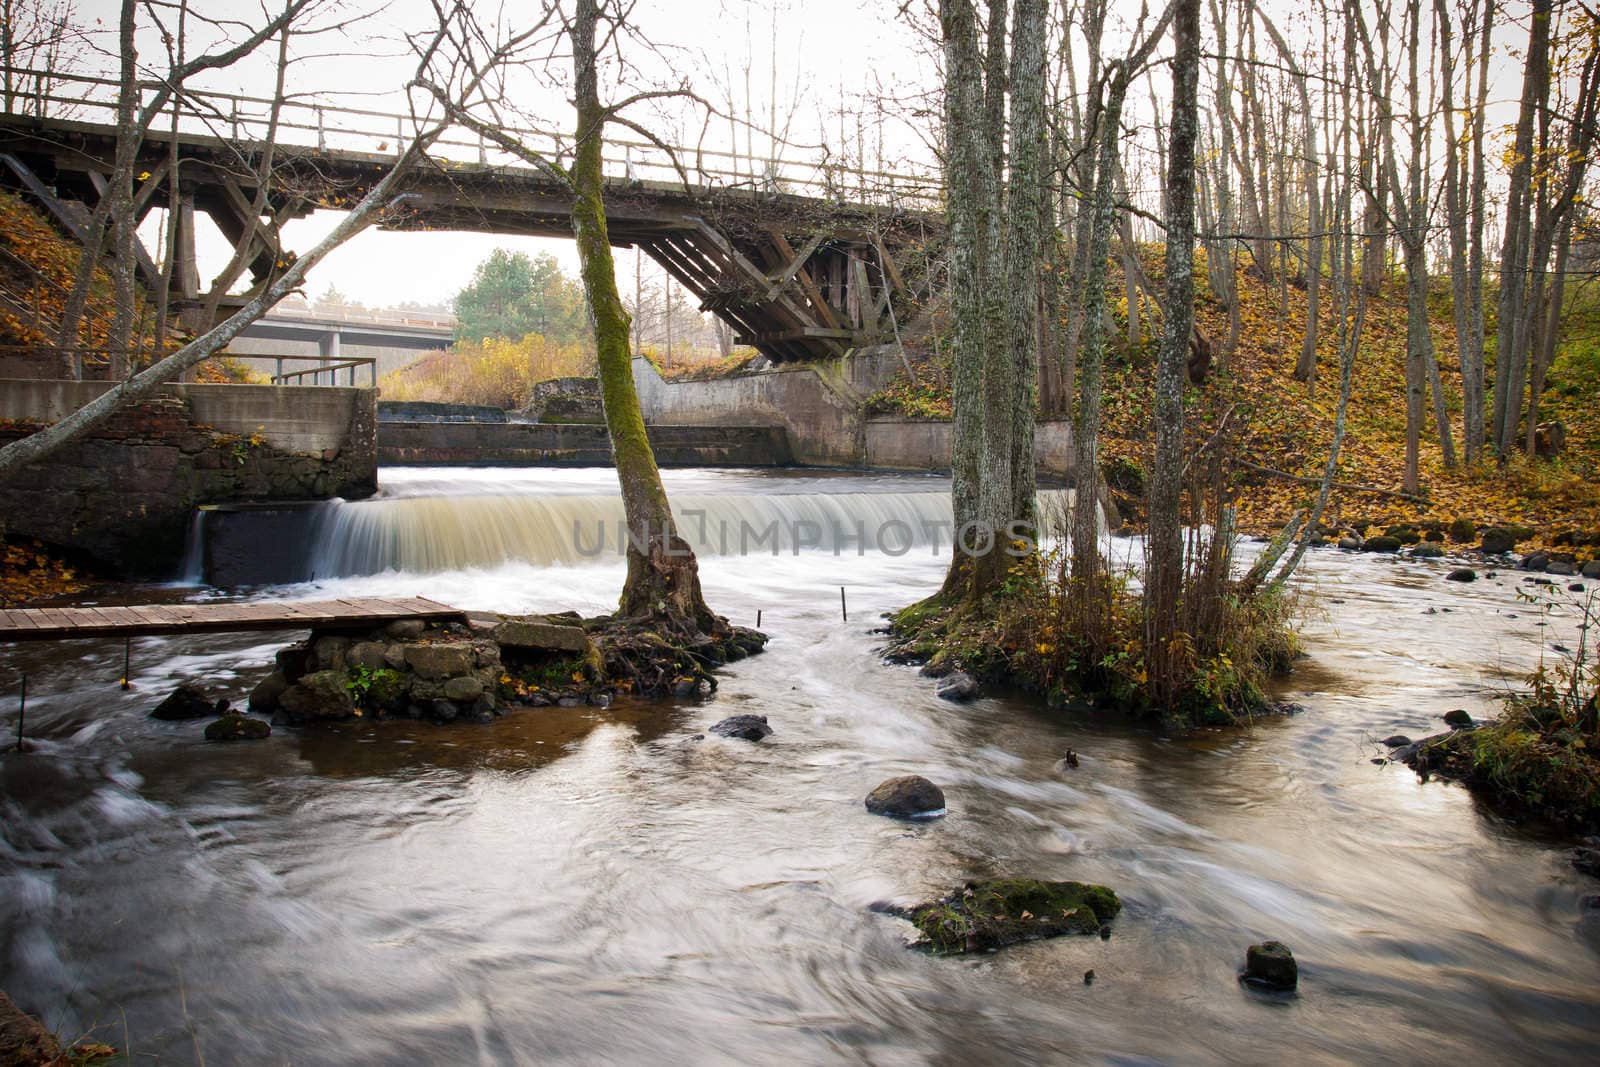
column 317, row 338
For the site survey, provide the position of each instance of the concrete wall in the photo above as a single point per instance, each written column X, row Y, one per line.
column 911, row 444
column 819, row 405
column 821, row 409
column 125, row 493
column 575, row 444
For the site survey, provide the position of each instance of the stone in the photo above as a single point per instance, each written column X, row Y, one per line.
column 463, row 689
column 24, row 1042
column 744, row 727
column 187, row 701
column 1462, row 574
column 328, row 653
column 1270, row 965
column 1457, row 718
column 1535, row 561
column 1462, row 531
column 265, row 696
column 444, row 710
column 1004, row 911
column 236, row 727
column 1587, row 861
column 1560, row 568
column 439, row 661
column 1497, row 542
column 535, row 632
column 405, row 629
column 1397, row 740
column 368, row 654
column 957, row 686
column 1427, row 550
column 395, row 656
column 1350, row 544
column 319, row 695
column 910, row 796
column 1591, row 569
column 1575, row 587
column 1381, row 544
column 1406, row 535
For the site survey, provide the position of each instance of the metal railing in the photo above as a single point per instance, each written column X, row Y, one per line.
column 334, row 127
column 330, row 367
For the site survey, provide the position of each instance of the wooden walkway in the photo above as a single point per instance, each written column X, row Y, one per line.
column 49, row 624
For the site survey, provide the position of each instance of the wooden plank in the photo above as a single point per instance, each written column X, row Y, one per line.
column 796, row 261
column 21, row 624
column 808, row 285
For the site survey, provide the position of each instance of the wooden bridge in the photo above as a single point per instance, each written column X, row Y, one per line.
column 804, row 260
column 54, row 624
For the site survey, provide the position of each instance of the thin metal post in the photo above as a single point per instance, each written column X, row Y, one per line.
column 127, row 661
column 843, row 613
column 758, row 618
column 22, row 710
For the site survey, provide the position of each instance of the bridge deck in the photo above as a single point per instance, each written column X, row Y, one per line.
column 45, row 624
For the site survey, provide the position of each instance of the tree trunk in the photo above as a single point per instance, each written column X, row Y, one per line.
column 1164, row 553
column 663, row 577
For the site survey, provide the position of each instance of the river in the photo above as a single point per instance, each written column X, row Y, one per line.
column 586, row 886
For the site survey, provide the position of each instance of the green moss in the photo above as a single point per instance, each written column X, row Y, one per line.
column 992, row 914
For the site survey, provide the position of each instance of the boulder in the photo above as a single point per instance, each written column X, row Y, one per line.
column 24, row 1042
column 908, row 797
column 1397, row 741
column 1586, row 860
column 1535, row 561
column 1384, row 543
column 1497, row 542
column 1004, row 911
column 1406, row 535
column 368, row 654
column 537, row 633
column 1270, row 965
column 957, row 685
column 1561, row 568
column 744, row 727
column 463, row 689
column 405, row 629
column 1591, row 569
column 1457, row 718
column 236, row 727
column 435, row 662
column 319, row 695
column 1462, row 574
column 1427, row 550
column 328, row 653
column 1350, row 544
column 268, row 692
column 1462, row 531
column 187, row 701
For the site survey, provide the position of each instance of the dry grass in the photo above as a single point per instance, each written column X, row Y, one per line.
column 491, row 372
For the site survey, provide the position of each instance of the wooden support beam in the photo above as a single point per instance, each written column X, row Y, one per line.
column 808, row 286
column 796, row 261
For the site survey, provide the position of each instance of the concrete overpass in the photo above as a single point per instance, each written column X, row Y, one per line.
column 390, row 338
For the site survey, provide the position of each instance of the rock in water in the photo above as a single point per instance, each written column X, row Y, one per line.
column 1497, row 542
column 1427, row 550
column 1004, row 911
column 24, row 1042
column 907, row 797
column 1270, row 965
column 236, row 727
column 746, row 727
column 1397, row 741
column 1591, row 569
column 1586, row 860
column 185, row 702
column 1457, row 718
column 956, row 686
column 1462, row 574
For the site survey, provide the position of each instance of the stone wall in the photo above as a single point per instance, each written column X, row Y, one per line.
column 127, row 492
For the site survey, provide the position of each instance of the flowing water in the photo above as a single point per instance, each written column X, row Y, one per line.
column 578, row 886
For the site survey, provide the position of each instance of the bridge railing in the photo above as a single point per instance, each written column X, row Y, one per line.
column 327, row 127
column 324, row 365
column 366, row 317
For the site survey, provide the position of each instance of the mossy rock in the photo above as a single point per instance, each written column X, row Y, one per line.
column 1406, row 535
column 1521, row 533
column 988, row 915
column 1463, row 531
column 1427, row 550
column 1381, row 544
